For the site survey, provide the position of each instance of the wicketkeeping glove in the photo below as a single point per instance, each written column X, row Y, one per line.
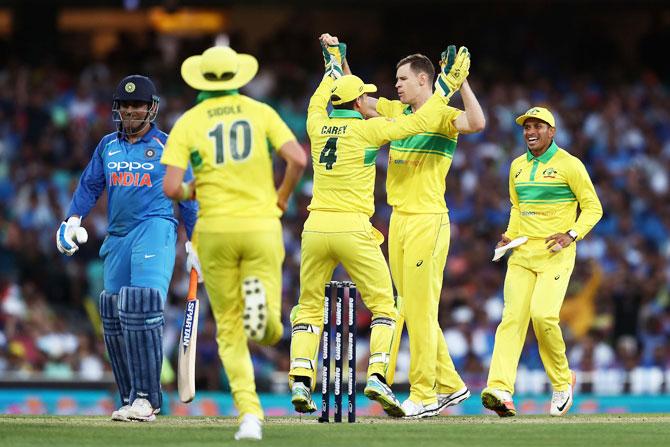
column 69, row 234
column 339, row 52
column 192, row 260
column 455, row 68
column 334, row 68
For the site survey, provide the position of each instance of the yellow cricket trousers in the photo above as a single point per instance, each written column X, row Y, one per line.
column 418, row 248
column 227, row 259
column 535, row 286
column 330, row 238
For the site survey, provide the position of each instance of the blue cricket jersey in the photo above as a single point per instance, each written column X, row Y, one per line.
column 133, row 176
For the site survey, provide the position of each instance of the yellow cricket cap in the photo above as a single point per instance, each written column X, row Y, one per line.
column 348, row 88
column 537, row 112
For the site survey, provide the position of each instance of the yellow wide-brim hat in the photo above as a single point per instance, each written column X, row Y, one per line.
column 219, row 68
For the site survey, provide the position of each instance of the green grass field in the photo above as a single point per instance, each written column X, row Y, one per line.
column 541, row 431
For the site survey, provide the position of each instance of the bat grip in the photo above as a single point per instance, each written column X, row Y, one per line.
column 192, row 285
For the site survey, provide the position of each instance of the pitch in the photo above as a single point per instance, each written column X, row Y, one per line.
column 573, row 430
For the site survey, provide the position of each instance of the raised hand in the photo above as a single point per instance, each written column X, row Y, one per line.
column 455, row 68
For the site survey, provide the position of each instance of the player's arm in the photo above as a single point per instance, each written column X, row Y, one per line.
column 176, row 158
column 382, row 130
column 280, row 136
column 369, row 107
column 513, row 225
column 472, row 119
column 296, row 160
column 589, row 204
column 174, row 185
column 90, row 187
column 188, row 209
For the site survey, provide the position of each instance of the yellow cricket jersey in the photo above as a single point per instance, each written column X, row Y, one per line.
column 418, row 165
column 545, row 192
column 344, row 148
column 227, row 139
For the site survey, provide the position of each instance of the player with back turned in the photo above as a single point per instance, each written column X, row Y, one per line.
column 139, row 250
column 546, row 185
column 227, row 137
column 338, row 230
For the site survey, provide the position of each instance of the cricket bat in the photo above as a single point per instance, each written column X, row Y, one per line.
column 187, row 343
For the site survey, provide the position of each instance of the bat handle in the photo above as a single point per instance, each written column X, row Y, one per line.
column 192, row 285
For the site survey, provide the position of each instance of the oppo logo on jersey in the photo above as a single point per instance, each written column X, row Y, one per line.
column 131, row 166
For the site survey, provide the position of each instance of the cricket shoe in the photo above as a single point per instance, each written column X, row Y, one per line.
column 377, row 390
column 499, row 401
column 561, row 401
column 255, row 315
column 122, row 415
column 451, row 399
column 250, row 428
column 301, row 398
column 414, row 410
column 141, row 410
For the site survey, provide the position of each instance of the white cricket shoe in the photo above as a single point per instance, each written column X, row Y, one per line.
column 451, row 399
column 561, row 401
column 141, row 410
column 250, row 428
column 255, row 316
column 414, row 410
column 121, row 414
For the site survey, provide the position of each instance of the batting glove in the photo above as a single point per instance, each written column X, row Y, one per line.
column 455, row 68
column 192, row 260
column 69, row 234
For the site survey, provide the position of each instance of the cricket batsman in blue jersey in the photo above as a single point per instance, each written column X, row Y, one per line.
column 139, row 250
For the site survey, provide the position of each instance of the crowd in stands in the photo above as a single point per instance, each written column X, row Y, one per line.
column 616, row 317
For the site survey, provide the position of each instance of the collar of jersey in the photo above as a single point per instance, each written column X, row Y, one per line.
column 544, row 158
column 202, row 96
column 342, row 113
column 146, row 137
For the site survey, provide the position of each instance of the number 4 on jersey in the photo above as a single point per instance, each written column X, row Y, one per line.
column 328, row 154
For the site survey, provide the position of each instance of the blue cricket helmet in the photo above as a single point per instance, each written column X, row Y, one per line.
column 135, row 88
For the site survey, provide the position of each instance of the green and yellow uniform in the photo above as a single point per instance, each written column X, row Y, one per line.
column 418, row 247
column 545, row 192
column 338, row 230
column 228, row 140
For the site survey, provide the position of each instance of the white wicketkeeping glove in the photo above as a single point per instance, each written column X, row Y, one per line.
column 70, row 234
column 192, row 260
